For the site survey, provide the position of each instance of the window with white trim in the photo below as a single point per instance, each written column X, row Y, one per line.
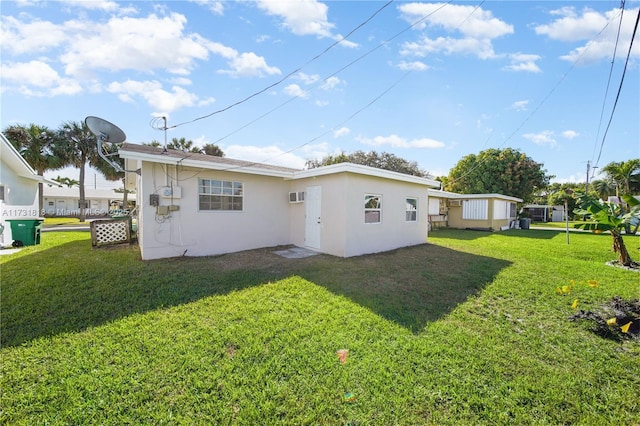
column 411, row 208
column 220, row 195
column 372, row 208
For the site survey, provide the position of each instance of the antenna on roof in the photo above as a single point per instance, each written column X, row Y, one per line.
column 107, row 133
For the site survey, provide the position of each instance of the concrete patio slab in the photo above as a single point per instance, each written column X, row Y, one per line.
column 296, row 253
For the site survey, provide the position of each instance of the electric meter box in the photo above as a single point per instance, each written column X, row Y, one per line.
column 170, row 192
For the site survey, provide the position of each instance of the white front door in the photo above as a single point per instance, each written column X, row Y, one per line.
column 313, row 222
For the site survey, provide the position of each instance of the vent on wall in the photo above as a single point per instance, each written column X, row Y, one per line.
column 296, row 197
column 455, row 203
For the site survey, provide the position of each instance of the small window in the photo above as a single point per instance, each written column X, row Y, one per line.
column 1, row 192
column 372, row 208
column 411, row 206
column 220, row 195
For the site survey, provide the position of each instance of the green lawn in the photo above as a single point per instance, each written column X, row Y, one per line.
column 465, row 330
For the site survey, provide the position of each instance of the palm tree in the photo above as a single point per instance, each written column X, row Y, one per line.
column 39, row 147
column 182, row 145
column 80, row 146
column 66, row 181
column 604, row 188
column 623, row 173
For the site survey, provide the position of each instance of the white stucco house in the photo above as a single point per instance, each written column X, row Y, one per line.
column 18, row 189
column 197, row 205
column 64, row 201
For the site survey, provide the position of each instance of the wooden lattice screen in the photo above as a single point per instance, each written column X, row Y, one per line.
column 110, row 231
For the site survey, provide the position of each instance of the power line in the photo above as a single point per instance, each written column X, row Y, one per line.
column 356, row 60
column 353, row 115
column 624, row 71
column 290, row 73
column 544, row 100
column 606, row 92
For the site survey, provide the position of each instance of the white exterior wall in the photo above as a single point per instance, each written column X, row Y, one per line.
column 20, row 200
column 393, row 231
column 333, row 211
column 264, row 221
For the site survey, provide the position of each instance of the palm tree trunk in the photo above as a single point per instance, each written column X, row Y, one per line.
column 82, row 196
column 40, row 199
column 621, row 249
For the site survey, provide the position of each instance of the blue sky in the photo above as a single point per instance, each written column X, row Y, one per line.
column 430, row 82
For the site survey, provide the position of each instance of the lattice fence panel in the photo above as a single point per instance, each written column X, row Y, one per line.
column 110, row 231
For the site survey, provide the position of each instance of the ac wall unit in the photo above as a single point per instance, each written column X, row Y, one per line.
column 170, row 192
column 296, row 197
column 455, row 203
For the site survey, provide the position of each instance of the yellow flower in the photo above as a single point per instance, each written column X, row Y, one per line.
column 572, row 283
column 574, row 305
column 559, row 290
column 625, row 328
column 592, row 283
column 612, row 321
column 566, row 289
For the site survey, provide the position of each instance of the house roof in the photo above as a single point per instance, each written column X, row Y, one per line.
column 169, row 156
column 172, row 156
column 453, row 195
column 12, row 158
column 89, row 193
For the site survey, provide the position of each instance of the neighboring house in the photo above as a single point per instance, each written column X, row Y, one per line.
column 196, row 205
column 66, row 201
column 18, row 189
column 475, row 211
column 544, row 213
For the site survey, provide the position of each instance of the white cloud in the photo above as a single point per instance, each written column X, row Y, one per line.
column 300, row 17
column 249, row 64
column 468, row 20
column 103, row 5
column 155, row 95
column 520, row 105
column 570, row 134
column 264, row 154
column 477, row 29
column 134, row 43
column 307, row 78
column 331, row 83
column 546, row 137
column 27, row 37
column 342, row 131
column 523, row 62
column 215, row 6
column 482, row 48
column 413, row 66
column 573, row 26
column 36, row 78
column 396, row 141
column 295, row 91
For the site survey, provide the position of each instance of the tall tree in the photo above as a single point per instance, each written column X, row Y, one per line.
column 212, row 149
column 182, row 144
column 382, row 160
column 623, row 173
column 603, row 188
column 508, row 172
column 39, row 147
column 80, row 147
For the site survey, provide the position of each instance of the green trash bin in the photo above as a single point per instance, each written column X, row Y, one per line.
column 25, row 232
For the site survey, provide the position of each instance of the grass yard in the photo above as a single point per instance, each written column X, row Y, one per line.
column 468, row 329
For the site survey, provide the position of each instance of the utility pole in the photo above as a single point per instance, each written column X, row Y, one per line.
column 586, row 189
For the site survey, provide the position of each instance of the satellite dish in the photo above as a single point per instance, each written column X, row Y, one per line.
column 108, row 132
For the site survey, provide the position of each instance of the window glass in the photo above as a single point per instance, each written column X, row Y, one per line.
column 411, row 207
column 372, row 208
column 220, row 195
